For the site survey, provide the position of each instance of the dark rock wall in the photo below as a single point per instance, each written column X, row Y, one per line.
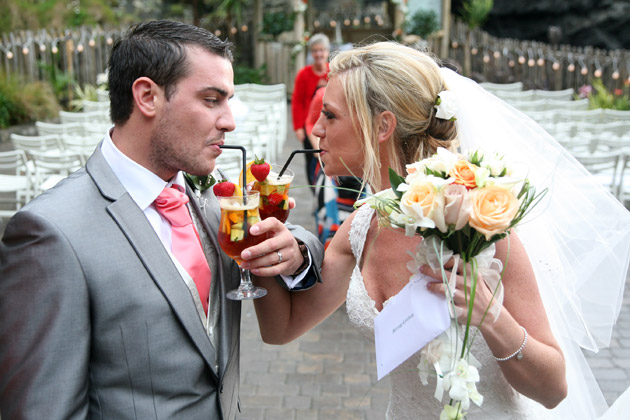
column 602, row 24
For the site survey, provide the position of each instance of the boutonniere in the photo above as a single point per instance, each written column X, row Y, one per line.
column 200, row 183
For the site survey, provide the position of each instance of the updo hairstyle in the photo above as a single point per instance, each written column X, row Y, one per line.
column 387, row 76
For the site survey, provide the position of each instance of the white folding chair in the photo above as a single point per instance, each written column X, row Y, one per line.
column 623, row 184
column 16, row 182
column 603, row 166
column 494, row 87
column 50, row 169
column 515, row 95
column 82, row 117
column 591, row 115
column 102, row 95
column 44, row 128
column 48, row 143
column 80, row 145
column 96, row 106
column 563, row 95
column 616, row 115
column 570, row 105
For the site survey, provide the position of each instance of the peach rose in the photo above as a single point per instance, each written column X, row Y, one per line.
column 493, row 209
column 456, row 205
column 464, row 174
column 423, row 201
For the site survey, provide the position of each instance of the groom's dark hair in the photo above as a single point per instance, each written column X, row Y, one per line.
column 156, row 50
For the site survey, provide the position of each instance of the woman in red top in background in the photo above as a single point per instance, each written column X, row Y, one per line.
column 308, row 79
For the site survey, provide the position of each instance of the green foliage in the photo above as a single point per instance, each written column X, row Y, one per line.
column 11, row 109
column 602, row 98
column 21, row 102
column 85, row 93
column 39, row 101
column 475, row 12
column 33, row 15
column 61, row 82
column 422, row 23
column 245, row 74
column 275, row 23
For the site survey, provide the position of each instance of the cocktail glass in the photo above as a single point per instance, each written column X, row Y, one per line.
column 238, row 214
column 274, row 195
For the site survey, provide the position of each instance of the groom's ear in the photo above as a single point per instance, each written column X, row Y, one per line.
column 386, row 125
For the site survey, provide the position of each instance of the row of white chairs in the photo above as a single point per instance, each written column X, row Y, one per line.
column 260, row 112
column 38, row 162
column 535, row 94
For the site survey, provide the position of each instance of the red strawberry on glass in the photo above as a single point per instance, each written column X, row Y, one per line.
column 274, row 190
column 224, row 189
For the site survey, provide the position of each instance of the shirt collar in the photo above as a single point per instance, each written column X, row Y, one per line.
column 142, row 185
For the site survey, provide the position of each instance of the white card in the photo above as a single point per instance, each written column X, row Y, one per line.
column 407, row 323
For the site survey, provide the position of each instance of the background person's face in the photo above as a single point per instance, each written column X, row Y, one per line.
column 320, row 53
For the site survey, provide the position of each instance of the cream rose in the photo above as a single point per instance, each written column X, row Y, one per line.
column 492, row 210
column 457, row 206
column 422, row 201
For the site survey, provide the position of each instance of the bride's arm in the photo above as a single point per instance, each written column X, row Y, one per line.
column 540, row 374
column 284, row 316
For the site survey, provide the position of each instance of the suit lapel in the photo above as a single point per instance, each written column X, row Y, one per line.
column 135, row 226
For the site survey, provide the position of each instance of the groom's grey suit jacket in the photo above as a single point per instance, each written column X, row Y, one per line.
column 96, row 321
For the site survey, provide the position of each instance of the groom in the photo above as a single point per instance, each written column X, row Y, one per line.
column 100, row 317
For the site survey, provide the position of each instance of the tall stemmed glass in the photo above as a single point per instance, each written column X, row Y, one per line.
column 238, row 214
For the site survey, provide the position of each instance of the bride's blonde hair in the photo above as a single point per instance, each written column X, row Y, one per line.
column 387, row 76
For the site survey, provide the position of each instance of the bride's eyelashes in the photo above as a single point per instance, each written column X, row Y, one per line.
column 329, row 115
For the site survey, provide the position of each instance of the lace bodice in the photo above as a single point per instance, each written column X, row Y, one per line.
column 409, row 399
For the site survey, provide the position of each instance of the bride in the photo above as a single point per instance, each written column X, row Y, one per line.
column 379, row 113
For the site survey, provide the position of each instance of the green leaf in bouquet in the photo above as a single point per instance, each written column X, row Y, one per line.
column 395, row 180
column 438, row 174
column 476, row 158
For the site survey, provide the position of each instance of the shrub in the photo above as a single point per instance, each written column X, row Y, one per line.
column 245, row 74
column 11, row 109
column 275, row 23
column 38, row 99
column 599, row 96
column 22, row 102
column 423, row 23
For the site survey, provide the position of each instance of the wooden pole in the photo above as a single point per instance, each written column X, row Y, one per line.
column 446, row 29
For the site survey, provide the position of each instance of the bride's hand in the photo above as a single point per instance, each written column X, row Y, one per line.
column 483, row 298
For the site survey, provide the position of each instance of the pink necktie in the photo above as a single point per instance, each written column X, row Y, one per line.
column 186, row 245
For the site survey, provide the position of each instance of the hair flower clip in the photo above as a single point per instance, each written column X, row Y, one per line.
column 445, row 106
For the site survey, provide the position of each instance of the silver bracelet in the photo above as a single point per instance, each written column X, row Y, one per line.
column 518, row 353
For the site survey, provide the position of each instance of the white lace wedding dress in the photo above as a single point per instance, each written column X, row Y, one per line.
column 409, row 399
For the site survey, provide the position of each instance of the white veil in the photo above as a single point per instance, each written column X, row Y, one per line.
column 577, row 238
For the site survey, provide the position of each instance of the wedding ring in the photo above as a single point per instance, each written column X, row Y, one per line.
column 279, row 257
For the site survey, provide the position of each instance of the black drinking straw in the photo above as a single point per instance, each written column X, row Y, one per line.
column 244, row 154
column 293, row 153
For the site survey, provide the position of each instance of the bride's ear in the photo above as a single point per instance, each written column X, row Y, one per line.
column 386, row 126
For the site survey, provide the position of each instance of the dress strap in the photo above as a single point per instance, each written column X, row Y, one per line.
column 358, row 230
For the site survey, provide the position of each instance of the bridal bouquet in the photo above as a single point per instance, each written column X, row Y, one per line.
column 461, row 205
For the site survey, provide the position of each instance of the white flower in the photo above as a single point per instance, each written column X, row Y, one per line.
column 495, row 164
column 452, row 413
column 445, row 105
column 101, row 79
column 460, row 384
column 378, row 200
